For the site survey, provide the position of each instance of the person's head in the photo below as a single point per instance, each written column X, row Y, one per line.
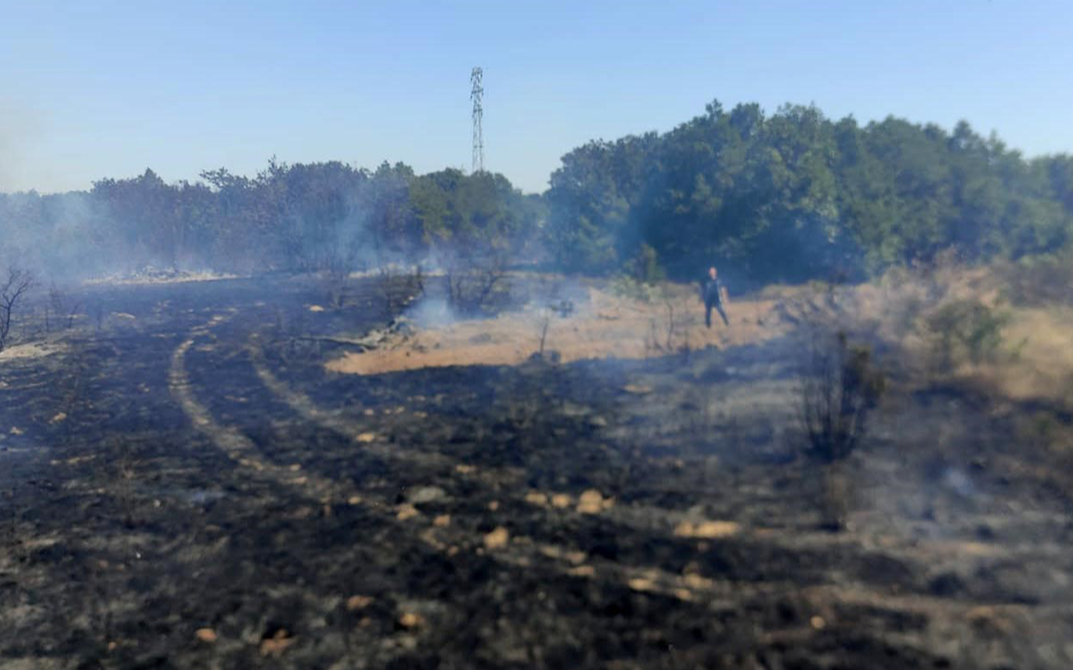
column 712, row 272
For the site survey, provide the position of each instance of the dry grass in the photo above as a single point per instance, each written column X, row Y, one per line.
column 606, row 326
column 1034, row 361
column 177, row 278
column 31, row 350
column 1040, row 364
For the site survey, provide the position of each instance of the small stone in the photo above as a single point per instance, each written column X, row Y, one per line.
column 497, row 539
column 411, row 620
column 303, row 512
column 494, row 505
column 206, row 635
column 277, row 644
column 708, row 530
column 366, row 437
column 536, row 498
column 641, row 584
column 425, row 494
column 817, row 622
column 406, row 512
column 561, row 500
column 442, row 521
column 355, row 603
column 592, row 502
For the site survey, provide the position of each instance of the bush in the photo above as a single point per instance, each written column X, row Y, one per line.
column 398, row 285
column 477, row 285
column 1040, row 280
column 644, row 267
column 626, row 286
column 967, row 329
column 841, row 387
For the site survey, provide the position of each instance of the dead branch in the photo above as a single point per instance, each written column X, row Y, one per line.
column 12, row 289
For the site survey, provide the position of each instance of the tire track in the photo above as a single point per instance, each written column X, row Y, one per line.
column 304, row 406
column 239, row 448
column 640, row 517
column 517, row 551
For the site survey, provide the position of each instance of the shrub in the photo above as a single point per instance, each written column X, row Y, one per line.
column 478, row 289
column 967, row 329
column 841, row 387
column 644, row 266
column 626, row 286
column 63, row 310
column 1040, row 280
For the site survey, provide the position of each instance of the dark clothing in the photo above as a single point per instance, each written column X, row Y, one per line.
column 712, row 292
column 708, row 313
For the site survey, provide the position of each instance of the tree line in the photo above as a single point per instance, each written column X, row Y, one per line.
column 783, row 197
column 290, row 218
column 796, row 195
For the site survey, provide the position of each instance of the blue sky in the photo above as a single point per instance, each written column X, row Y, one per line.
column 95, row 88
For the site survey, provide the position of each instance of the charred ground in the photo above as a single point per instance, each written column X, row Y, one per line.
column 185, row 486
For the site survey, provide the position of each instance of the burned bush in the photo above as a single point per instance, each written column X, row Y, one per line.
column 399, row 285
column 477, row 285
column 841, row 387
column 334, row 275
column 13, row 289
column 61, row 310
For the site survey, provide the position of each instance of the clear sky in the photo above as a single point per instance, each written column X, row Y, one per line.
column 90, row 89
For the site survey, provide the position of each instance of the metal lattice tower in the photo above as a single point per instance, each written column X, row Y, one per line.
column 477, row 95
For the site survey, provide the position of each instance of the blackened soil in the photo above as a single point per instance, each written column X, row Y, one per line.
column 187, row 487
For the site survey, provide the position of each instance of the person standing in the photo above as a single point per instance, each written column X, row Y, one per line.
column 715, row 296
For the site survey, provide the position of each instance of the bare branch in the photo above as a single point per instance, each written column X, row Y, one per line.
column 12, row 289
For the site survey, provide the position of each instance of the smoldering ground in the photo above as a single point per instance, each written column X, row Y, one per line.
column 189, row 485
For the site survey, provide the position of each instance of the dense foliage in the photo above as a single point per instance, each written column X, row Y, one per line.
column 316, row 217
column 790, row 196
column 796, row 195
